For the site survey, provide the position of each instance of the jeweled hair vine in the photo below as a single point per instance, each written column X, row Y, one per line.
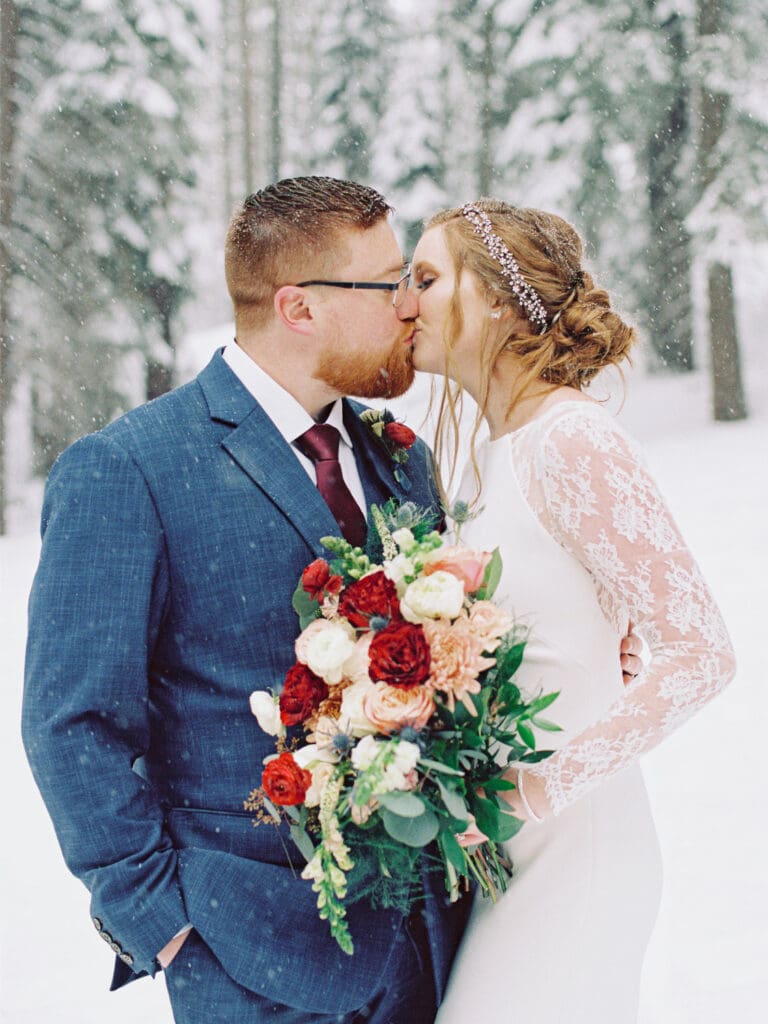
column 528, row 298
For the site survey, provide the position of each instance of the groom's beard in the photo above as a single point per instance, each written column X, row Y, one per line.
column 366, row 376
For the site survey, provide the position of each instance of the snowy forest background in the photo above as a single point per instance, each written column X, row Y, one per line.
column 128, row 131
column 130, row 128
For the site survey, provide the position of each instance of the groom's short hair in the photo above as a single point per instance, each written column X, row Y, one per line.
column 292, row 231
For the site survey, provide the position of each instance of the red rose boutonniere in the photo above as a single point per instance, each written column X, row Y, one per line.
column 395, row 438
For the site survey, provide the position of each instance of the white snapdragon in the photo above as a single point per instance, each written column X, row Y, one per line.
column 266, row 707
column 404, row 539
column 438, row 596
column 405, row 757
column 328, row 649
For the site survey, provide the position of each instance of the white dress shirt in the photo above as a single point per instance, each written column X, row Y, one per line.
column 292, row 419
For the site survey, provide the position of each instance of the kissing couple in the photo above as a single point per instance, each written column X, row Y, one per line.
column 173, row 538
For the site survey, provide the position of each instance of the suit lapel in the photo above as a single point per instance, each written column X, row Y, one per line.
column 374, row 463
column 261, row 451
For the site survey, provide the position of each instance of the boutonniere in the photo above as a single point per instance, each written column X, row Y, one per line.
column 395, row 438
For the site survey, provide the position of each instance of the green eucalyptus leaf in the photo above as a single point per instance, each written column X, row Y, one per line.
column 411, row 831
column 405, row 805
column 435, row 766
column 454, row 802
column 543, row 702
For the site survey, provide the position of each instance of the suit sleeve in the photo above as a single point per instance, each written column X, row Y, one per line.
column 95, row 611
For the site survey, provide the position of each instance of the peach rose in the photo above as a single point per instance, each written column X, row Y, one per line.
column 465, row 564
column 390, row 708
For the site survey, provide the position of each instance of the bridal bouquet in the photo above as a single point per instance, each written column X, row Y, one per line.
column 404, row 690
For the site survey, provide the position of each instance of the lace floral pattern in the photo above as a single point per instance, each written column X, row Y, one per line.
column 586, row 483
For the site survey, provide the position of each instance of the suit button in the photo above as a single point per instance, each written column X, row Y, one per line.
column 126, row 958
column 106, row 936
column 116, row 947
column 96, row 923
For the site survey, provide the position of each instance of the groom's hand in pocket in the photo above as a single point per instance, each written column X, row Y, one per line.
column 168, row 952
column 630, row 655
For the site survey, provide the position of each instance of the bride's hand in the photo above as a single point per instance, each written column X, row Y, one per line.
column 629, row 655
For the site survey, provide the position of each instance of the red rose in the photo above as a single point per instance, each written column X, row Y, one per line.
column 399, row 655
column 399, row 434
column 317, row 580
column 303, row 692
column 285, row 782
column 372, row 595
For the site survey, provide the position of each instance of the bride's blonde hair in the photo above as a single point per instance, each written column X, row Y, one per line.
column 583, row 334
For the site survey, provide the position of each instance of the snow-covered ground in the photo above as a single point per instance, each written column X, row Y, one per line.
column 707, row 960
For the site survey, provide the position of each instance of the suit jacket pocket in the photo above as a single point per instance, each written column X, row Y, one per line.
column 261, row 922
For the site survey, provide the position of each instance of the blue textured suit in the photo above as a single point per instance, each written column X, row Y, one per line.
column 172, row 541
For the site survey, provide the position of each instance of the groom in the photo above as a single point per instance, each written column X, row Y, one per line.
column 172, row 542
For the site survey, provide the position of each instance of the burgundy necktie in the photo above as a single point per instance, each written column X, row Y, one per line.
column 321, row 444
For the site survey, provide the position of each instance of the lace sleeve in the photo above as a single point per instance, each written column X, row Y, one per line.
column 590, row 490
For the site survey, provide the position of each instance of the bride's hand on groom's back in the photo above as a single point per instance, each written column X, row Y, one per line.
column 630, row 655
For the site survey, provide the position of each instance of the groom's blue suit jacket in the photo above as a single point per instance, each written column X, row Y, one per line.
column 172, row 542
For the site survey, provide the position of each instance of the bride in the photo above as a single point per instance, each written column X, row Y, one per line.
column 507, row 313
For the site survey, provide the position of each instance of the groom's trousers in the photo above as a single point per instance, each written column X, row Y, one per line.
column 201, row 992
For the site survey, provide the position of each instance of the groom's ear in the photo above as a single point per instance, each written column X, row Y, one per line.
column 293, row 308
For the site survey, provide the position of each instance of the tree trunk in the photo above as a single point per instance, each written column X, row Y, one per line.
column 225, row 100
column 246, row 98
column 669, row 300
column 728, row 399
column 276, row 83
column 485, row 151
column 9, row 22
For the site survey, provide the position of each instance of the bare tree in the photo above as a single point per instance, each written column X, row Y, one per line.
column 8, row 31
column 727, row 388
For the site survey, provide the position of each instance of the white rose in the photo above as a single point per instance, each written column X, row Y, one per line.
column 397, row 568
column 404, row 539
column 266, row 708
column 327, row 650
column 352, row 718
column 439, row 596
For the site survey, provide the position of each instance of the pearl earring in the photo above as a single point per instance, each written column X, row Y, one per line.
column 496, row 314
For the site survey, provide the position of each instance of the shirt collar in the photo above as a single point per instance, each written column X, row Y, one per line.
column 289, row 416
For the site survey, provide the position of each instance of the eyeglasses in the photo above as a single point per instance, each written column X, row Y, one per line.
column 399, row 288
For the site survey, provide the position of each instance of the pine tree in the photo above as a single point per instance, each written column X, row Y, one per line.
column 355, row 53
column 104, row 159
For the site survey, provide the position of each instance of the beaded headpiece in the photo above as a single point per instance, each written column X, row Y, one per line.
column 527, row 296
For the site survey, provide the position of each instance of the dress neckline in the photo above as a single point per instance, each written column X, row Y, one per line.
column 538, row 419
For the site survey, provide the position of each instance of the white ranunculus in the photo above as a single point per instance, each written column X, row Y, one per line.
column 404, row 539
column 396, row 569
column 438, row 596
column 320, row 764
column 266, row 708
column 352, row 718
column 328, row 649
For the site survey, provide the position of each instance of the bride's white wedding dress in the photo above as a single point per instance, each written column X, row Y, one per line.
column 587, row 547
